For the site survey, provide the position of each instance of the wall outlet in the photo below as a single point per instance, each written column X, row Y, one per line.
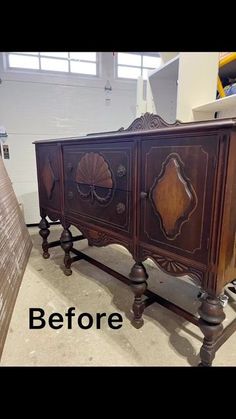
column 5, row 149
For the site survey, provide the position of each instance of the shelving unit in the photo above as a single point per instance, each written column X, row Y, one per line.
column 163, row 83
column 168, row 70
column 225, row 107
column 218, row 104
column 183, row 84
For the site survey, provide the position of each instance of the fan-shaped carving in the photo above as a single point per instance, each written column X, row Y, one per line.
column 93, row 171
column 173, row 267
column 173, row 196
column 170, row 265
column 149, row 121
column 48, row 178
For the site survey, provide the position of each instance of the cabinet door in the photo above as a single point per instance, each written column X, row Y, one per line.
column 177, row 190
column 98, row 186
column 48, row 177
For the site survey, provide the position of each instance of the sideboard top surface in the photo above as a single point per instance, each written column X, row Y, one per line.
column 150, row 124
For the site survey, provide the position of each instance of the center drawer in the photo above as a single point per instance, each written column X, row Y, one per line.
column 98, row 183
column 103, row 165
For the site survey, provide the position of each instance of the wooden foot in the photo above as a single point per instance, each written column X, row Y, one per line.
column 212, row 316
column 44, row 233
column 138, row 277
column 67, row 244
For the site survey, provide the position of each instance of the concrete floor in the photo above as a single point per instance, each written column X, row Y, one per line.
column 165, row 339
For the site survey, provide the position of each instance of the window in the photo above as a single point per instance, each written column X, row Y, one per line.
column 66, row 62
column 131, row 65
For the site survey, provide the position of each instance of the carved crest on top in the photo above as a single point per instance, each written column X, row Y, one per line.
column 150, row 121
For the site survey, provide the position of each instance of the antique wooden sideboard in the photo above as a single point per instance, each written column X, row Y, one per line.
column 165, row 192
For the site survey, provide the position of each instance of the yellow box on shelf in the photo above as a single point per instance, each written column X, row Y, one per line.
column 227, row 68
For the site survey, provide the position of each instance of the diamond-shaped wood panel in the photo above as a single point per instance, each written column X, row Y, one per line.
column 48, row 178
column 173, row 196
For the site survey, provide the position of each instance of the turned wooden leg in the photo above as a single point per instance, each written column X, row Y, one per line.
column 138, row 277
column 44, row 233
column 67, row 244
column 212, row 316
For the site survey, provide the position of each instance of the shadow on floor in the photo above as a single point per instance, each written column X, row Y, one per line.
column 181, row 292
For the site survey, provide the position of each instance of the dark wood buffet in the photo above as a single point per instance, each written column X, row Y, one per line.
column 165, row 192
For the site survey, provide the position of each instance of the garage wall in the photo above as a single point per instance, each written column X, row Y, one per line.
column 36, row 107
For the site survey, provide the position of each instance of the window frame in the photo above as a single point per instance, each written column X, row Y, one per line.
column 142, row 54
column 41, row 71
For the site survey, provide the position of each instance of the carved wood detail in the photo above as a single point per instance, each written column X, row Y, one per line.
column 67, row 244
column 93, row 171
column 120, row 208
column 149, row 121
column 173, row 267
column 100, row 238
column 44, row 233
column 121, row 171
column 138, row 277
column 173, row 197
column 211, row 318
column 48, row 177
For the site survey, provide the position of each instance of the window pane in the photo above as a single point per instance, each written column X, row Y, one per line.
column 54, row 65
column 145, row 73
column 129, row 72
column 23, row 61
column 30, row 53
column 129, row 59
column 153, row 62
column 55, row 54
column 87, row 56
column 83, row 68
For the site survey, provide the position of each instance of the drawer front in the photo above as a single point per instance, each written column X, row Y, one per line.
column 48, row 176
column 176, row 194
column 105, row 165
column 98, row 185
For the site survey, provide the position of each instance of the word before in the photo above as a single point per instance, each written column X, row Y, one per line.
column 37, row 319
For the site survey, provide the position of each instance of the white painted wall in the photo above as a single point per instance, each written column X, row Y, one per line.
column 36, row 107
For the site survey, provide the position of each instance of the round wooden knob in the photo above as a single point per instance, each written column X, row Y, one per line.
column 120, row 208
column 143, row 195
column 121, row 171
